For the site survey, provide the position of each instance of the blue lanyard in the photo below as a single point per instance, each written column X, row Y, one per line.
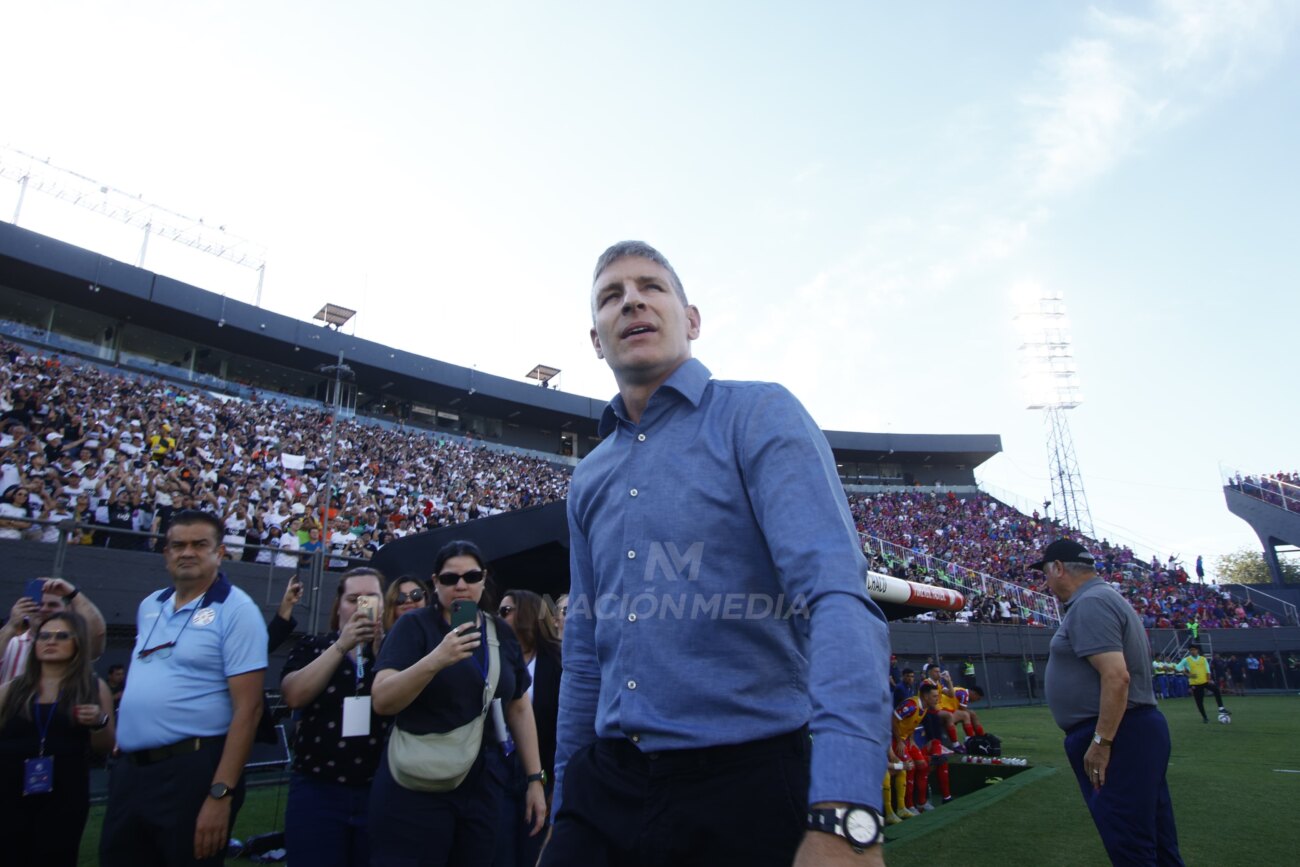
column 482, row 669
column 43, row 725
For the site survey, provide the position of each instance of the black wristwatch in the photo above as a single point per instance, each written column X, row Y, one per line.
column 218, row 791
column 73, row 595
column 539, row 777
column 860, row 826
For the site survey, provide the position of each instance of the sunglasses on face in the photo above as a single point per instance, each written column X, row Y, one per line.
column 450, row 579
column 60, row 635
column 413, row 596
column 505, row 610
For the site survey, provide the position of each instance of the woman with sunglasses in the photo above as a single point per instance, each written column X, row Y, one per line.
column 531, row 618
column 339, row 738
column 404, row 595
column 433, row 679
column 51, row 717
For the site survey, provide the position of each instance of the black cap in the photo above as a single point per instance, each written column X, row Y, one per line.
column 1065, row 551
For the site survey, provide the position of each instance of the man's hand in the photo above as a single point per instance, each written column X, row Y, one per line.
column 820, row 849
column 58, row 586
column 212, row 828
column 1095, row 761
column 24, row 610
column 292, row 594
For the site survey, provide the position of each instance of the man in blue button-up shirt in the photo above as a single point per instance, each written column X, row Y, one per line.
column 717, row 614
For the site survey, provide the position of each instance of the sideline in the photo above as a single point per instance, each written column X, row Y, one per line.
column 960, row 808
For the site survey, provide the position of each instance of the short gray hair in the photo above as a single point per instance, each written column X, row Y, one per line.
column 639, row 249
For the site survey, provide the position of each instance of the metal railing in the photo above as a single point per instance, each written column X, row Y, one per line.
column 1268, row 489
column 310, row 566
column 1283, row 609
column 1043, row 606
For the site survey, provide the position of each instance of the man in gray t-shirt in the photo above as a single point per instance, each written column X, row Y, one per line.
column 1099, row 691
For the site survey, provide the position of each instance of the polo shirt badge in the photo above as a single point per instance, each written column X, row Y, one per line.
column 204, row 616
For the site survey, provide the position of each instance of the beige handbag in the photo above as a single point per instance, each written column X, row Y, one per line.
column 440, row 761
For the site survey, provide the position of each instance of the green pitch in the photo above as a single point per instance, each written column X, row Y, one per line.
column 1232, row 804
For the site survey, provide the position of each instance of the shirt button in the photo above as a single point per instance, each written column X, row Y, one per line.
column 633, row 492
column 640, row 438
column 631, row 555
column 631, row 684
column 631, row 618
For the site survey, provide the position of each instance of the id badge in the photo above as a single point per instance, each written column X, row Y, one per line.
column 356, row 716
column 38, row 776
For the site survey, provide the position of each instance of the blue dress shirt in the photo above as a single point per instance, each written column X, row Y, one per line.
column 718, row 587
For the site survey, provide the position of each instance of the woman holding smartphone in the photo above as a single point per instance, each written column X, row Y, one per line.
column 432, row 675
column 339, row 737
column 51, row 717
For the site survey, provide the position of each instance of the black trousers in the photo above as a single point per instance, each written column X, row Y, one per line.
column 152, row 810
column 1198, row 693
column 741, row 804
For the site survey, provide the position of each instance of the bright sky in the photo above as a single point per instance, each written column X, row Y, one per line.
column 855, row 195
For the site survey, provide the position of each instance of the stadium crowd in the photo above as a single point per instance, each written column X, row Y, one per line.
column 989, row 537
column 1279, row 489
column 79, row 442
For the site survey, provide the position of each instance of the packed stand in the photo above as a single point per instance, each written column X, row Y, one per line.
column 1280, row 489
column 77, row 442
column 989, row 537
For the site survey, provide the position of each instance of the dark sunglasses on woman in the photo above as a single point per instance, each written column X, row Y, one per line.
column 450, row 579
column 413, row 596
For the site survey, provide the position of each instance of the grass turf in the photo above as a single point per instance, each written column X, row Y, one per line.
column 1231, row 804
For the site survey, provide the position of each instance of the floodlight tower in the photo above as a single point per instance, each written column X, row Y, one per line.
column 1053, row 386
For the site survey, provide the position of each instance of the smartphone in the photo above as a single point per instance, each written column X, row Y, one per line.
column 366, row 605
column 463, row 611
column 35, row 590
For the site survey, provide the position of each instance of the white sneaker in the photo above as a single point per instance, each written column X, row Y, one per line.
column 926, row 807
column 892, row 819
column 906, row 813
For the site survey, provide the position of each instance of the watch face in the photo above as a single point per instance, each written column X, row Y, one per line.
column 861, row 827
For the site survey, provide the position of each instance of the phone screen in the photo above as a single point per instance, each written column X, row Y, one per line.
column 462, row 612
column 35, row 590
column 366, row 604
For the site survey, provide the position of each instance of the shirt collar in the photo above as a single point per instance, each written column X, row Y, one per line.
column 218, row 592
column 690, row 380
column 1086, row 585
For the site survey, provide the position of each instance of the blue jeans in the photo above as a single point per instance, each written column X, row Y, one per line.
column 1133, row 811
column 326, row 824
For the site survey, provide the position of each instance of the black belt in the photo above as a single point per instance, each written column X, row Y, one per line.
column 180, row 748
column 670, row 761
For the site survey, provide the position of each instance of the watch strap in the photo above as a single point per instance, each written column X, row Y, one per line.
column 1100, row 741
column 833, row 820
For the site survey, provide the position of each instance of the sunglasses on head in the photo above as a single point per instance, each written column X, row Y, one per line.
column 450, row 579
column 413, row 596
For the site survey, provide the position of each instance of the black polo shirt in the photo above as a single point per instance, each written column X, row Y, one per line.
column 455, row 695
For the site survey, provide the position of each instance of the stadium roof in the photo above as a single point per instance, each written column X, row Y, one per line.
column 83, row 279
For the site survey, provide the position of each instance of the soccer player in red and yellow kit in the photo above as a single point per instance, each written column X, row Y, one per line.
column 958, row 704
column 907, row 716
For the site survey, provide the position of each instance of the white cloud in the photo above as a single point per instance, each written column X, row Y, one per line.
column 1106, row 92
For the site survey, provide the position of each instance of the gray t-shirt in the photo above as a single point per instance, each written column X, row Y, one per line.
column 1097, row 620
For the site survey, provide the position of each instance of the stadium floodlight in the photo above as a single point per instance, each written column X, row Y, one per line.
column 334, row 315
column 33, row 173
column 1051, row 380
column 543, row 373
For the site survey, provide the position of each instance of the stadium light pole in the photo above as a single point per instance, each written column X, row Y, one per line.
column 340, row 372
column 1052, row 379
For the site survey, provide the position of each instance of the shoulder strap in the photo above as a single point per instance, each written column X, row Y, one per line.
column 494, row 654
